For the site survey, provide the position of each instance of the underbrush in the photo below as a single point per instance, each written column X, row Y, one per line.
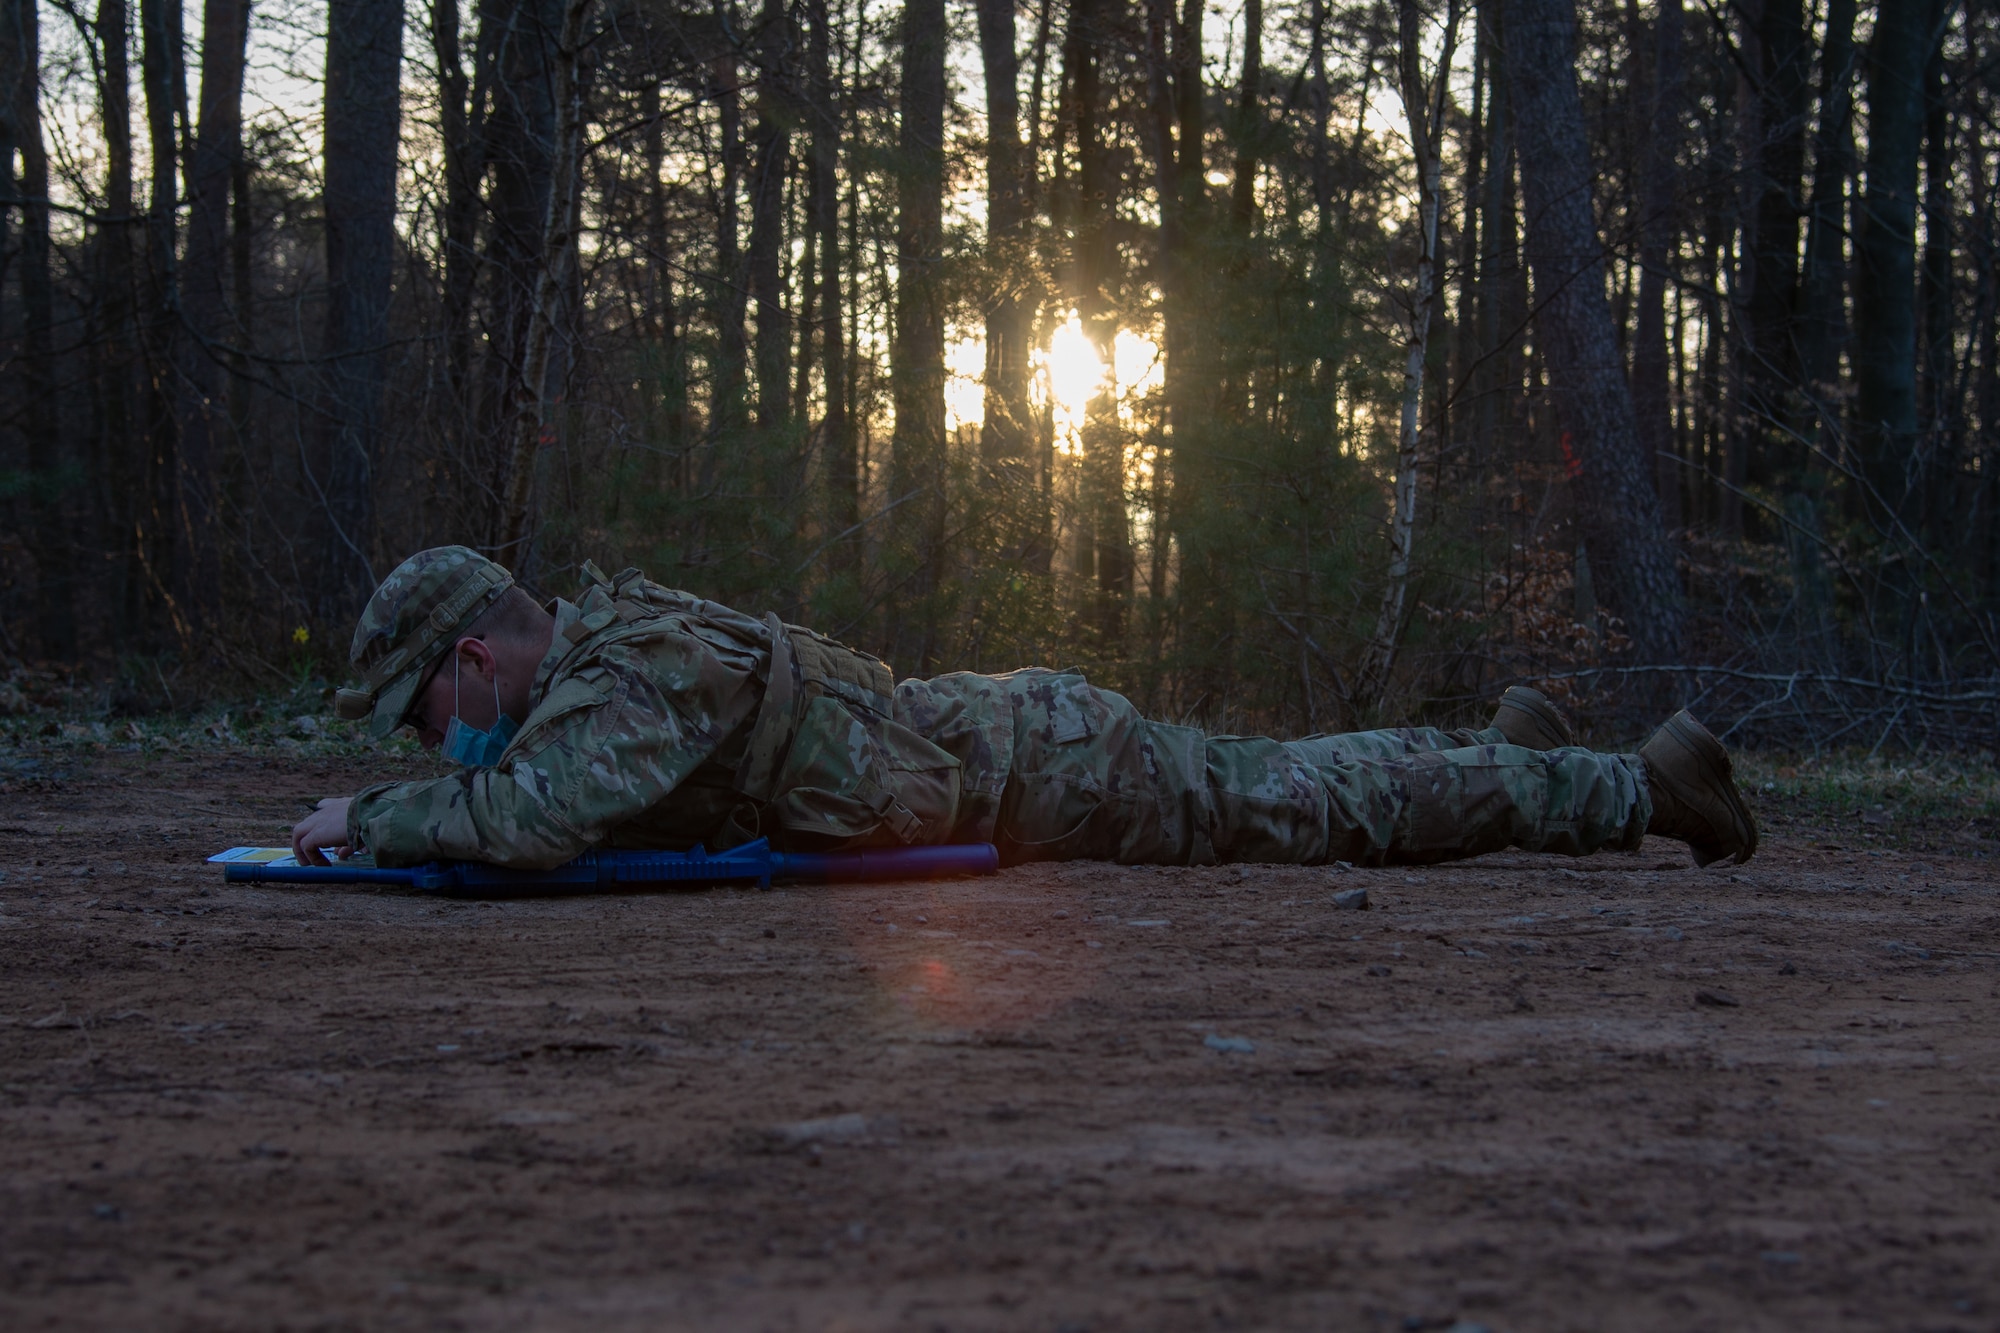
column 48, row 719
column 1932, row 801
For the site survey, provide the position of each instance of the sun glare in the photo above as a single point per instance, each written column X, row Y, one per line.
column 1076, row 372
column 964, row 392
column 1069, row 375
column 1072, row 374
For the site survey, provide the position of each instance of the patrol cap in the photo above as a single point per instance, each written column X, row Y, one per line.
column 418, row 612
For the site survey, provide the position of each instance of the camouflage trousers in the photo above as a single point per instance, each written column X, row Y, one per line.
column 1089, row 778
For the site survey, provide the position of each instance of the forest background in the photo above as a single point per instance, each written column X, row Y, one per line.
column 1289, row 365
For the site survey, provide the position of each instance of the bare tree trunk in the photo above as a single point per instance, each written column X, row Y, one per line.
column 364, row 61
column 1885, row 359
column 119, row 455
column 1041, row 543
column 1249, row 118
column 531, row 425
column 167, row 550
column 1652, row 399
column 771, row 140
column 19, row 82
column 1424, row 104
column 49, row 468
column 1232, row 371
column 1774, row 160
column 1103, row 535
column 205, row 293
column 1822, row 324
column 242, row 226
column 843, row 485
column 1629, row 552
column 1986, row 396
column 1823, row 285
column 662, row 312
column 204, row 399
column 461, row 131
column 917, row 347
column 1174, row 118
column 1008, row 425
column 1189, row 90
column 516, row 53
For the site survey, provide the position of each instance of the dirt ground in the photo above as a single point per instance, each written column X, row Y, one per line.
column 1519, row 1093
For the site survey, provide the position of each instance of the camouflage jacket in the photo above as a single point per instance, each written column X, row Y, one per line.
column 651, row 728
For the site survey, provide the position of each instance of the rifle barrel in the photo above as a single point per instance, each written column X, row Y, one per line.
column 600, row 871
column 974, row 858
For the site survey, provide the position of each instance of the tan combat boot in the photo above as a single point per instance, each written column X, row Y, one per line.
column 1694, row 792
column 1528, row 719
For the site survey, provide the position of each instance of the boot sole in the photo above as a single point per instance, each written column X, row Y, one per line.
column 1720, row 774
column 1541, row 714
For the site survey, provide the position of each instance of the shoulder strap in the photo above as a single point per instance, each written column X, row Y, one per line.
column 777, row 718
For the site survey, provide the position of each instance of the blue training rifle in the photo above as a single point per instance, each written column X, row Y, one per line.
column 592, row 872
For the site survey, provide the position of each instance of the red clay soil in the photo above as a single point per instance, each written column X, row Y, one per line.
column 1520, row 1093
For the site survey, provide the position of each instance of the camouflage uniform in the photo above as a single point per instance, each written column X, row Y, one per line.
column 663, row 720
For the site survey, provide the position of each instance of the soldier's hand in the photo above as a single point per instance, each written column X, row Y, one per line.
column 324, row 827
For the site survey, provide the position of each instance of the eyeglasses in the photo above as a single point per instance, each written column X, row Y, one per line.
column 409, row 718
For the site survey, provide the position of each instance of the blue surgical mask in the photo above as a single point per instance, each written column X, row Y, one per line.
column 469, row 745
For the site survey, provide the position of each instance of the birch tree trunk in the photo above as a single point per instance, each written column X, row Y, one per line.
column 1424, row 103
column 772, row 140
column 1464, row 355
column 1658, row 225
column 837, row 435
column 728, row 409
column 1940, row 393
column 531, row 427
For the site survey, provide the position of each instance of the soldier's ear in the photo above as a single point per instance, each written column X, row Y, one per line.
column 476, row 656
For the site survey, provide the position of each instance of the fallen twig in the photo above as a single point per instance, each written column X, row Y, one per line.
column 1791, row 678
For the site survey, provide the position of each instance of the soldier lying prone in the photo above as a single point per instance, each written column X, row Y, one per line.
column 638, row 716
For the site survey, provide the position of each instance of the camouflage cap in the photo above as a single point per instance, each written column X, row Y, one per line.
column 418, row 612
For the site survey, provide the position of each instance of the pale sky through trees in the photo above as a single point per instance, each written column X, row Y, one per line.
column 283, row 91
